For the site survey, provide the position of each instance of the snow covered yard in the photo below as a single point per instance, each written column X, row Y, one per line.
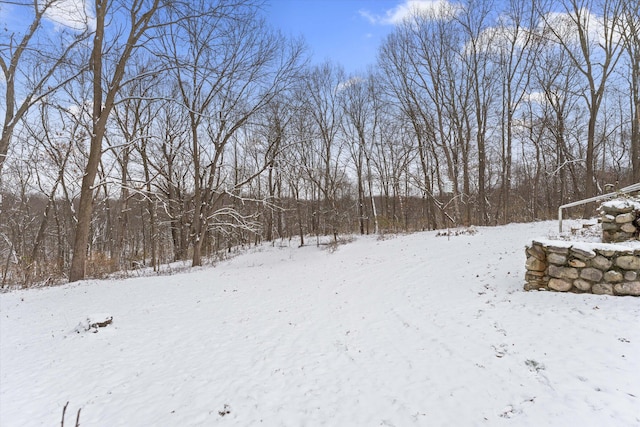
column 411, row 330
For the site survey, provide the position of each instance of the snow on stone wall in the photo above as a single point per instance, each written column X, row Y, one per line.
column 620, row 220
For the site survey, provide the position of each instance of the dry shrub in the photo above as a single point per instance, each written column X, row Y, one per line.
column 98, row 265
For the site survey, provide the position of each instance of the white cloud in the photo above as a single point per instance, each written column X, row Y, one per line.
column 435, row 9
column 536, row 97
column 555, row 27
column 348, row 83
column 74, row 14
column 368, row 16
column 565, row 26
column 498, row 40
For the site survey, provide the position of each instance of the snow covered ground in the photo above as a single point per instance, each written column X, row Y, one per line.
column 412, row 330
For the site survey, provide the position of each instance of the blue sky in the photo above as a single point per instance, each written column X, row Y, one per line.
column 348, row 32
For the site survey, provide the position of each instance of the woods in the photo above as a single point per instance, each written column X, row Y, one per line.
column 141, row 133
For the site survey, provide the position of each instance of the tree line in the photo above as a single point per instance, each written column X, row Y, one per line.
column 149, row 131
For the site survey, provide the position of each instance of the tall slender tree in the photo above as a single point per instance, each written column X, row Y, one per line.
column 594, row 48
column 630, row 31
column 111, row 68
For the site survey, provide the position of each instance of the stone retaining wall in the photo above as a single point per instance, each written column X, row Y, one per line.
column 620, row 220
column 582, row 267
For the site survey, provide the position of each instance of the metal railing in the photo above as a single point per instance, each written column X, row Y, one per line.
column 630, row 189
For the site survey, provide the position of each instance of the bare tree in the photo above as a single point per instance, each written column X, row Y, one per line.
column 110, row 68
column 421, row 63
column 31, row 67
column 476, row 57
column 228, row 66
column 322, row 89
column 559, row 117
column 167, row 156
column 52, row 146
column 134, row 117
column 516, row 54
column 361, row 113
column 275, row 122
column 630, row 30
column 594, row 47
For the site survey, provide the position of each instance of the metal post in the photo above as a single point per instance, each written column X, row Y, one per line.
column 560, row 218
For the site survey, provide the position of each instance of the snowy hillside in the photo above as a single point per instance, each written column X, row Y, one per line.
column 410, row 330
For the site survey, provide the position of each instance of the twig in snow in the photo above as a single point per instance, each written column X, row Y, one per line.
column 64, row 410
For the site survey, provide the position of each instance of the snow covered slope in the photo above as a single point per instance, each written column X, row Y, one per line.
column 410, row 330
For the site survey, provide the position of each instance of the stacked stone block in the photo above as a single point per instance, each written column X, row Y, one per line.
column 565, row 268
column 620, row 220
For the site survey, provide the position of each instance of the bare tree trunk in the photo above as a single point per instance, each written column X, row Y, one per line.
column 631, row 12
column 361, row 217
column 198, row 214
column 102, row 107
column 77, row 270
column 296, row 193
column 122, row 214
